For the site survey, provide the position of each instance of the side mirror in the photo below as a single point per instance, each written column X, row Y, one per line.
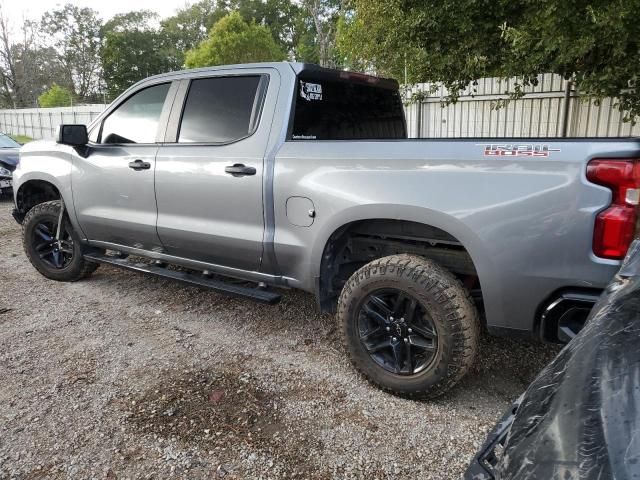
column 74, row 135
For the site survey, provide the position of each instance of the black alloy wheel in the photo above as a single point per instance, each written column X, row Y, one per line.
column 409, row 325
column 57, row 253
column 397, row 331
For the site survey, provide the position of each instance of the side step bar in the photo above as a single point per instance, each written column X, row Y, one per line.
column 257, row 294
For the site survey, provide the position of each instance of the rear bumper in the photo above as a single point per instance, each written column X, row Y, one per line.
column 558, row 318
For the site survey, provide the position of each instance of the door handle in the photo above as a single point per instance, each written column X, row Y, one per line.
column 139, row 165
column 240, row 170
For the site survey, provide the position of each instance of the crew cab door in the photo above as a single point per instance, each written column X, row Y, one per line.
column 113, row 184
column 209, row 171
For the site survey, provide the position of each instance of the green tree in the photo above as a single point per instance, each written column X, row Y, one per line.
column 188, row 28
column 74, row 33
column 279, row 16
column 306, row 48
column 56, row 96
column 232, row 40
column 191, row 25
column 458, row 41
column 305, row 29
column 595, row 43
column 133, row 49
column 26, row 68
column 319, row 40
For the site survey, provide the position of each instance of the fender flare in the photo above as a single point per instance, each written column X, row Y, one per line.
column 65, row 193
column 452, row 225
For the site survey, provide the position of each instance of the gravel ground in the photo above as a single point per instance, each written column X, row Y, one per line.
column 128, row 376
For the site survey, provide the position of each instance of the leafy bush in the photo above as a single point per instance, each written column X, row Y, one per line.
column 232, row 40
column 56, row 96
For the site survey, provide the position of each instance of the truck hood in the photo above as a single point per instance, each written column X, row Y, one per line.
column 9, row 157
column 39, row 146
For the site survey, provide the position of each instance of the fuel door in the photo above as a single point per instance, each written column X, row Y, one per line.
column 300, row 211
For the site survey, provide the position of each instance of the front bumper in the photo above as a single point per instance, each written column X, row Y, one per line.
column 483, row 465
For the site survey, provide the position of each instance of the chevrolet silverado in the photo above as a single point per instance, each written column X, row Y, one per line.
column 294, row 176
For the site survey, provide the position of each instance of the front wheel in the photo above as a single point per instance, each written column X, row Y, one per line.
column 58, row 257
column 409, row 325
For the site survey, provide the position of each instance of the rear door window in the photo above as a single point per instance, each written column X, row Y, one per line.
column 344, row 109
column 222, row 109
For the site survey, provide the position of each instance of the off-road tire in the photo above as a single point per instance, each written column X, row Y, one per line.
column 445, row 299
column 78, row 268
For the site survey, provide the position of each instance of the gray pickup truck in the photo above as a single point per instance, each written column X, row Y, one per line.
column 295, row 176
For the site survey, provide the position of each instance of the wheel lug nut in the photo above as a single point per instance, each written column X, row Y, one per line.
column 409, row 330
column 406, row 340
column 388, row 329
column 391, row 318
column 394, row 339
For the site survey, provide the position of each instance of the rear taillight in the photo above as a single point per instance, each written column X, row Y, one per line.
column 616, row 225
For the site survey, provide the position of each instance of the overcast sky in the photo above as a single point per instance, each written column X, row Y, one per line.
column 14, row 10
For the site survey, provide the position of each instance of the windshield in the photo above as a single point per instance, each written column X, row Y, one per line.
column 8, row 142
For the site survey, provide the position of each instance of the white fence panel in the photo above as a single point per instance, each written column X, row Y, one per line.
column 540, row 113
column 41, row 123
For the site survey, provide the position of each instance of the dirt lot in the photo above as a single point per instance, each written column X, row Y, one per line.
column 126, row 376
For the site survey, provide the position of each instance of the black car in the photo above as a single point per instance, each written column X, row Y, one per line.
column 580, row 418
column 8, row 162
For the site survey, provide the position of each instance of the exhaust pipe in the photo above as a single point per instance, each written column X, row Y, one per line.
column 565, row 315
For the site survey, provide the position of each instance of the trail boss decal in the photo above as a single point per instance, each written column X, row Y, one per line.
column 517, row 150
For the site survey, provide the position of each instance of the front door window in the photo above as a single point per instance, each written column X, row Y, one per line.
column 137, row 119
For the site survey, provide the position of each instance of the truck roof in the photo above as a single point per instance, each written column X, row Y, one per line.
column 297, row 67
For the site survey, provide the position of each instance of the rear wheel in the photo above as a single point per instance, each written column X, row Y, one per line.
column 58, row 257
column 409, row 325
